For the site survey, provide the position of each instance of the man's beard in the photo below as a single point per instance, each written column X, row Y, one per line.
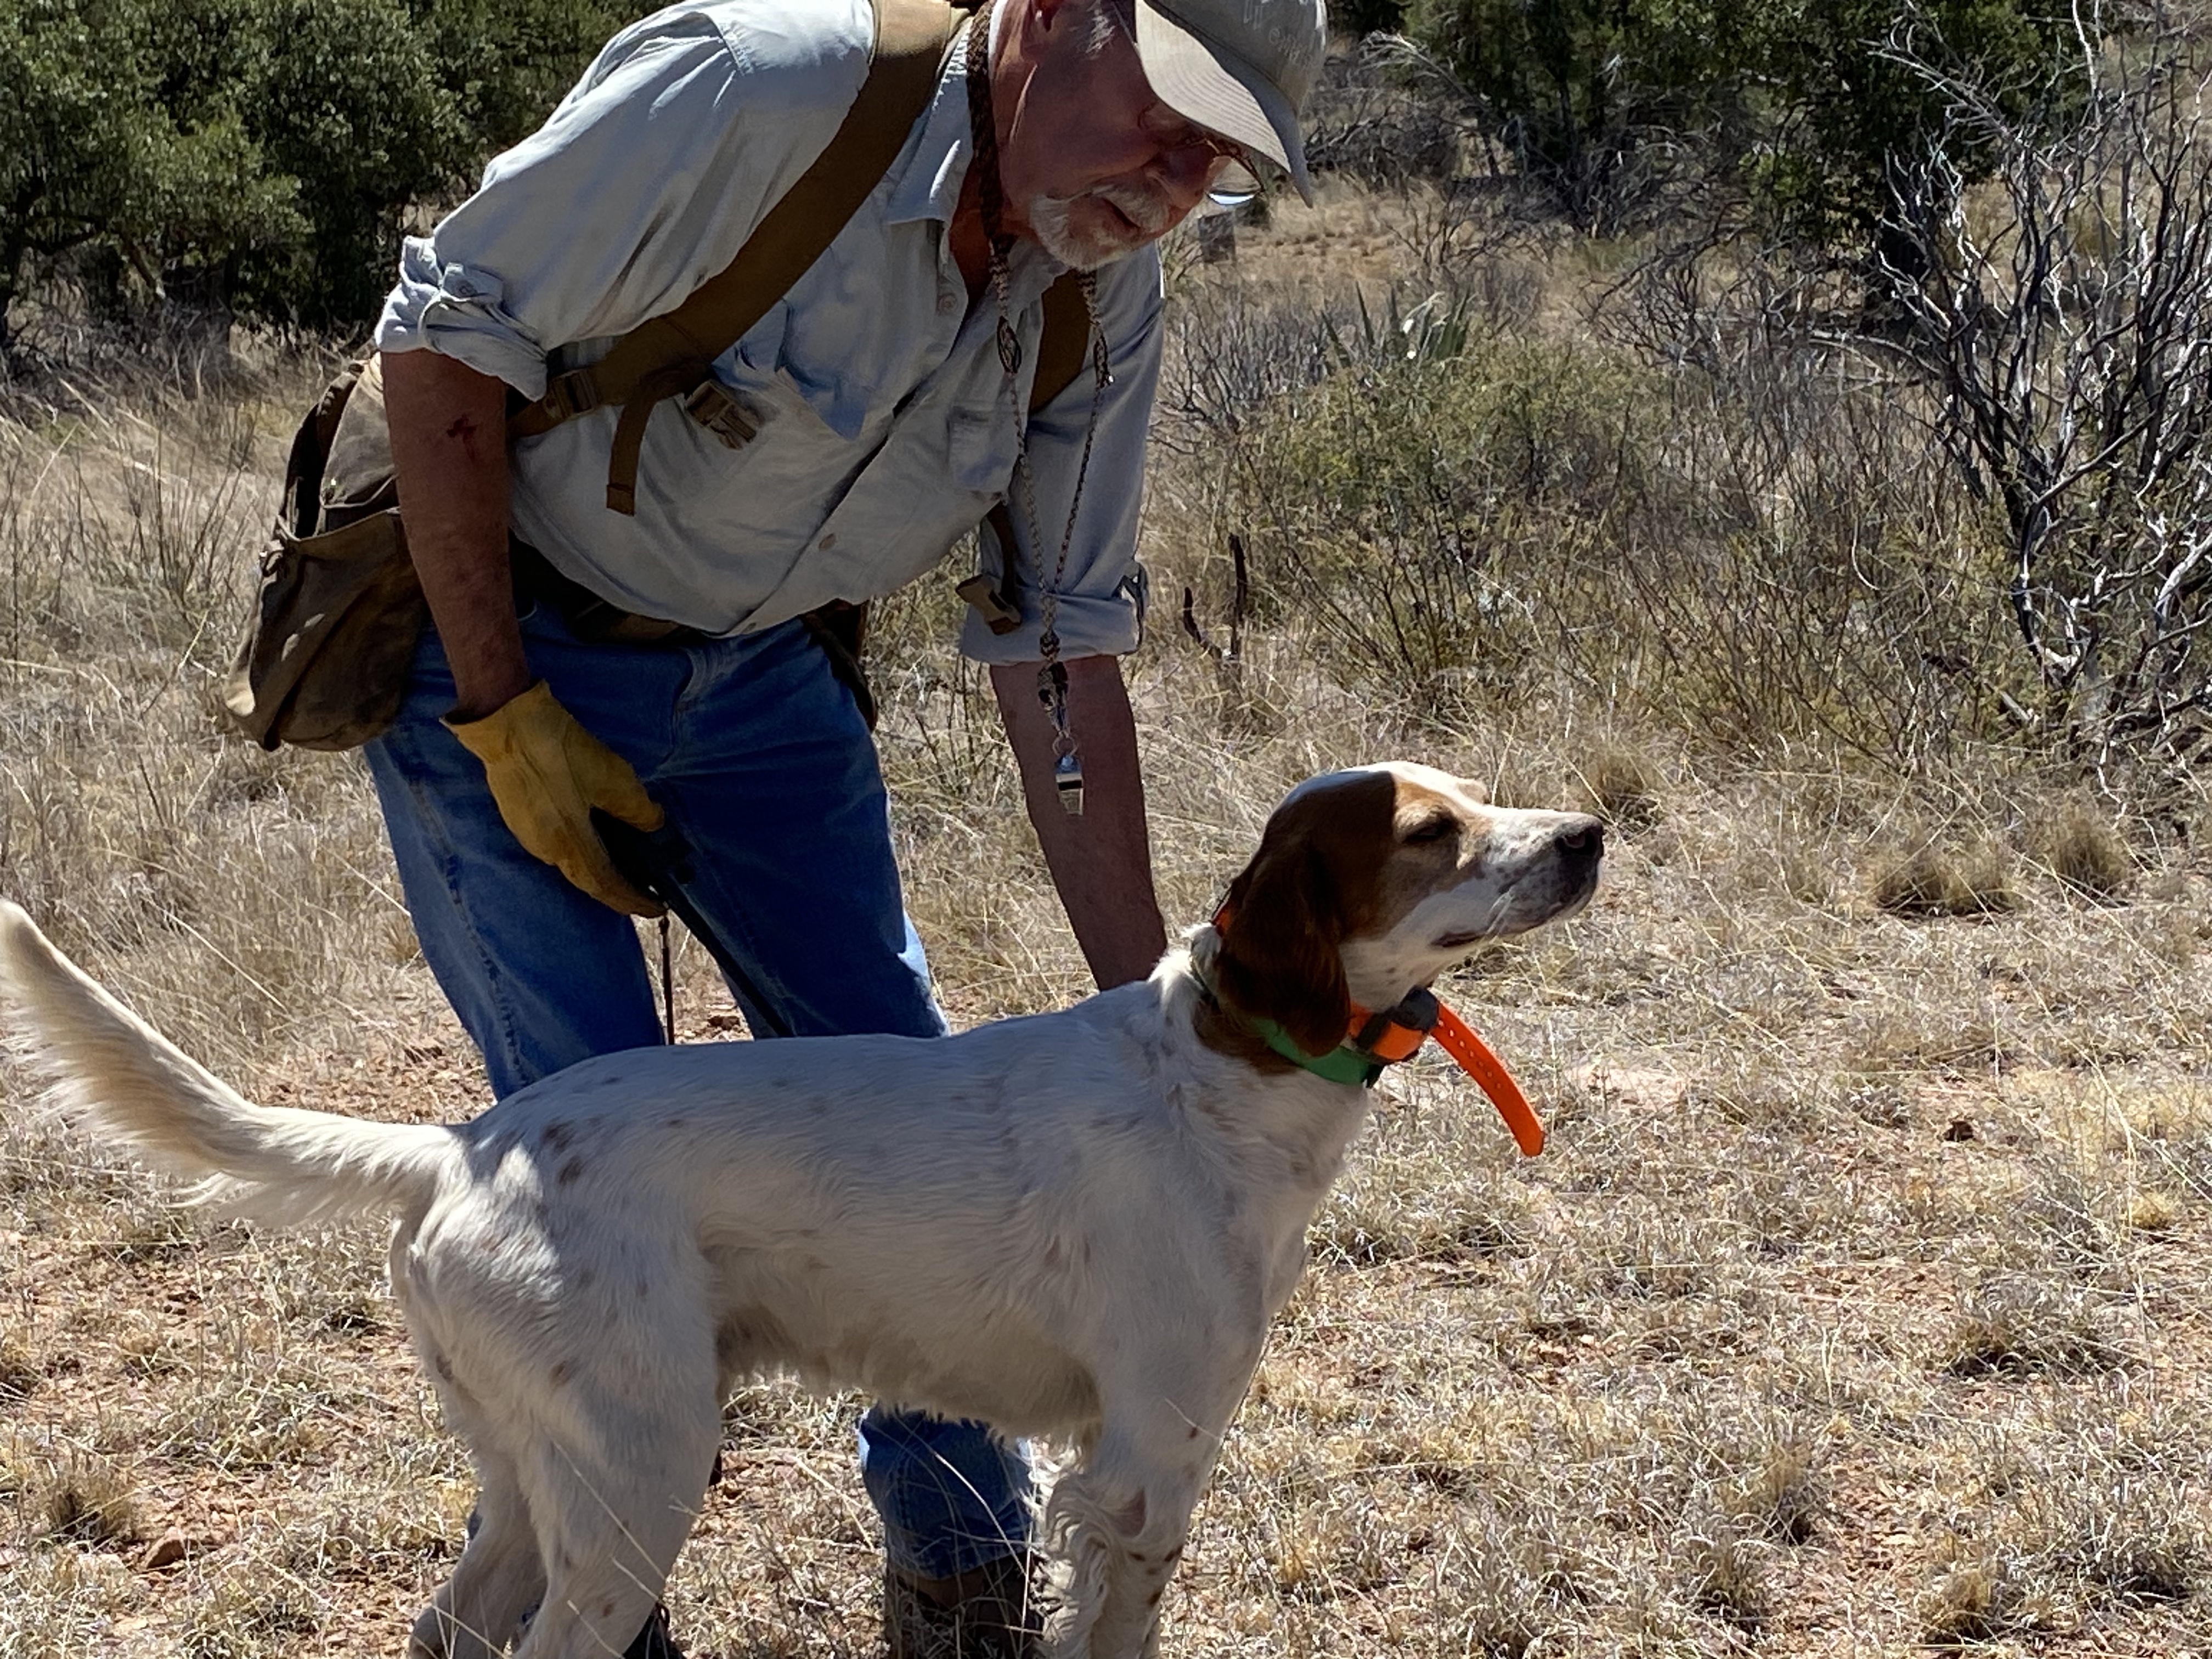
column 1099, row 237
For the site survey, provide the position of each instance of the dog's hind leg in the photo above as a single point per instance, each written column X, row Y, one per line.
column 499, row 1577
column 613, row 1504
column 1122, row 1516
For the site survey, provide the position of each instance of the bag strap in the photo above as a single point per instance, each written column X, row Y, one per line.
column 670, row 355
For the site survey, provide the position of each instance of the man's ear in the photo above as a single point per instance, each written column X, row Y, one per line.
column 1279, row 958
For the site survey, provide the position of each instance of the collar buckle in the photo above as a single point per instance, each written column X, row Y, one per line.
column 1397, row 1033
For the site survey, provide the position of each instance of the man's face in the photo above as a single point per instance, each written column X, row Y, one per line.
column 1095, row 165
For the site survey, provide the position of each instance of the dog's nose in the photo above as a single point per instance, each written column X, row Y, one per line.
column 1583, row 838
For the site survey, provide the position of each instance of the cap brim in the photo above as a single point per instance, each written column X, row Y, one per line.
column 1212, row 86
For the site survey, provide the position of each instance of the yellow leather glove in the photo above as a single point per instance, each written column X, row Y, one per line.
column 547, row 774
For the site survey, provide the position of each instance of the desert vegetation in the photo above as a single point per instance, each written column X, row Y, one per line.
column 1849, row 562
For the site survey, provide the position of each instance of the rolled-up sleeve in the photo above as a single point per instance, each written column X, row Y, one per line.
column 643, row 184
column 1102, row 590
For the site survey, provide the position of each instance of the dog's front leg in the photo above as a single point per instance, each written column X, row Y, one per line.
column 1121, row 1517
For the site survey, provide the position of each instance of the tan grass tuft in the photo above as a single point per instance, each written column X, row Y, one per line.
column 2082, row 850
column 1728, row 1575
column 254, row 1612
column 1620, row 783
column 20, row 1371
column 1933, row 881
column 1784, row 1498
column 81, row 1498
column 2022, row 1328
column 2152, row 1212
column 1975, row 1601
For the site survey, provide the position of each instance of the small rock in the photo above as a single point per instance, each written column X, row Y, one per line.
column 1961, row 1130
column 166, row 1551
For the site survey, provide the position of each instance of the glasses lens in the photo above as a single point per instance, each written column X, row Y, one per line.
column 1232, row 184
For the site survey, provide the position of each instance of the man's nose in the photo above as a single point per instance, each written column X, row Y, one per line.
column 1183, row 173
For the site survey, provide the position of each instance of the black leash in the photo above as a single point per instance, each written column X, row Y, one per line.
column 658, row 862
column 667, row 982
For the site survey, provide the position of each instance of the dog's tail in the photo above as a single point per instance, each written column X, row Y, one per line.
column 118, row 1075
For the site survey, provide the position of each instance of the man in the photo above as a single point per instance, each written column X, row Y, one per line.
column 881, row 418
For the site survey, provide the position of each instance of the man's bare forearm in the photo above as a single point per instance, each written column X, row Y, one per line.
column 1101, row 862
column 449, row 455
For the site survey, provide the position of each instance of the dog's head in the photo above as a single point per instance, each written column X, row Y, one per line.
column 1369, row 883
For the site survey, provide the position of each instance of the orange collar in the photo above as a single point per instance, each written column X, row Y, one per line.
column 1396, row 1034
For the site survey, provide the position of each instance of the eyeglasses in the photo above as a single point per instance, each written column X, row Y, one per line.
column 1231, row 179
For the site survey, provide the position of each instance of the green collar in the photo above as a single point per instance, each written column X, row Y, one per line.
column 1342, row 1064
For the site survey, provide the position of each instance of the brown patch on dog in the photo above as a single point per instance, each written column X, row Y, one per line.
column 556, row 1135
column 570, row 1172
column 1349, row 859
column 1312, row 883
column 561, row 1372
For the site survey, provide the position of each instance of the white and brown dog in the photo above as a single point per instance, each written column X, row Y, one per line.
column 1077, row 1225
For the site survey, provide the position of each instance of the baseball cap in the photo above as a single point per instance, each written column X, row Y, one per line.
column 1240, row 68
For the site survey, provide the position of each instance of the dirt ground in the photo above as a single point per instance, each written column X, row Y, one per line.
column 1856, row 1306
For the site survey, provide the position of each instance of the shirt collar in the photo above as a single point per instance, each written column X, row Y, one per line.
column 929, row 173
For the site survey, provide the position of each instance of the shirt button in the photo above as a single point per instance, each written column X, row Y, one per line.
column 946, row 303
column 828, row 542
column 465, row 289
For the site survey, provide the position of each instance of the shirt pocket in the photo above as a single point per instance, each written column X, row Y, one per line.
column 827, row 367
column 979, row 451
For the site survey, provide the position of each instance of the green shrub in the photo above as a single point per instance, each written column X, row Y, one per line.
column 1475, row 532
column 261, row 154
column 1796, row 102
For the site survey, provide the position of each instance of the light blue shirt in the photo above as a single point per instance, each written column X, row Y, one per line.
column 886, row 425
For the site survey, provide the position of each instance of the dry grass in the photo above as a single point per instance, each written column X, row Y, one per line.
column 1933, row 880
column 1764, row 1353
column 2082, row 850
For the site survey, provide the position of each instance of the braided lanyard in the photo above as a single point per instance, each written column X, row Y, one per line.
column 1051, row 676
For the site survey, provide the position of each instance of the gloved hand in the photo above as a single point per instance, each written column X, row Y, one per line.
column 547, row 774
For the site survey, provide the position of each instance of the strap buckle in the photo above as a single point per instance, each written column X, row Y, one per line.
column 574, row 394
column 1396, row 1033
column 980, row 591
column 716, row 407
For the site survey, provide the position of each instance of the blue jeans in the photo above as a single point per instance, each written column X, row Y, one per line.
column 766, row 768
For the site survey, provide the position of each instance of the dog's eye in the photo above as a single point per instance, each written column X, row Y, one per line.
column 1443, row 827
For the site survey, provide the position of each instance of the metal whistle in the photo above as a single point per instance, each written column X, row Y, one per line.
column 1068, row 779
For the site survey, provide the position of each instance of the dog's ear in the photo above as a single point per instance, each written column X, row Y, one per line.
column 1279, row 958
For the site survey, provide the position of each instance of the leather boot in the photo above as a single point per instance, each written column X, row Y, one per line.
column 988, row 1612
